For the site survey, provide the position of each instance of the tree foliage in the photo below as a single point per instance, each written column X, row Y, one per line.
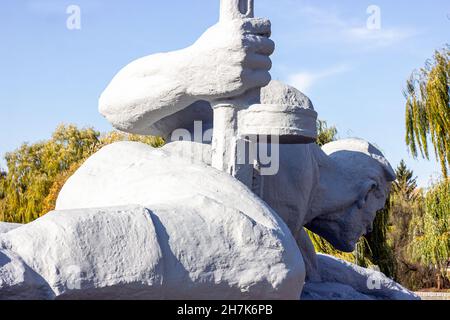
column 36, row 172
column 430, row 243
column 406, row 183
column 323, row 246
column 419, row 231
column 33, row 167
column 428, row 120
column 428, row 109
column 404, row 204
column 378, row 250
column 325, row 134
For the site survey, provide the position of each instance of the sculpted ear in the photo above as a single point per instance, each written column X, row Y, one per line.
column 369, row 187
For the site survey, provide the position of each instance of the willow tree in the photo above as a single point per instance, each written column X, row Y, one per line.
column 428, row 109
column 325, row 133
column 36, row 172
column 430, row 245
column 49, row 202
column 374, row 247
column 32, row 168
column 404, row 203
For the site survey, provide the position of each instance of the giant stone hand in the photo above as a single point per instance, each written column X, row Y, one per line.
column 230, row 58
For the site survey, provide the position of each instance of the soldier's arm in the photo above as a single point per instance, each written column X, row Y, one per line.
column 229, row 59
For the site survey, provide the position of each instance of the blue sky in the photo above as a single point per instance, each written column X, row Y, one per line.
column 354, row 75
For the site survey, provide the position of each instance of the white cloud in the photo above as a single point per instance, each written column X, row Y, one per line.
column 330, row 26
column 304, row 80
column 319, row 16
column 377, row 38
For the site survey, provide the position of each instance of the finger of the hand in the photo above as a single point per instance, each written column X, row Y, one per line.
column 257, row 26
column 259, row 44
column 257, row 61
column 236, row 9
column 256, row 78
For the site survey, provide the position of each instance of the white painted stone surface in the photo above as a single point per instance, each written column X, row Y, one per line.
column 165, row 181
column 347, row 181
column 229, row 59
column 92, row 251
column 341, row 280
column 284, row 112
column 5, row 227
column 348, row 178
column 134, row 173
column 192, row 249
column 166, row 227
column 205, row 235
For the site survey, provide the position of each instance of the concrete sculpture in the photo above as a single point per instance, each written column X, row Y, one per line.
column 191, row 239
column 191, row 220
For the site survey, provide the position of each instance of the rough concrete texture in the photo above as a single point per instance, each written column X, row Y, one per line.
column 229, row 59
column 137, row 222
column 5, row 227
column 206, row 245
column 341, row 280
column 194, row 249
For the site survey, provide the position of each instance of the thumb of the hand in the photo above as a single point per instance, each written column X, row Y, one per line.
column 236, row 9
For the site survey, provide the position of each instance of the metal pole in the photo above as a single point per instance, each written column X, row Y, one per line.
column 225, row 135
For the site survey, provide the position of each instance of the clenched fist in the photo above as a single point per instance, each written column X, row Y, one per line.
column 230, row 58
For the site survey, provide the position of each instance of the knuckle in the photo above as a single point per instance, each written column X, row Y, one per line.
column 260, row 62
column 249, row 43
column 270, row 46
column 259, row 26
column 269, row 64
column 246, row 75
column 265, row 24
column 252, row 41
column 246, row 24
column 266, row 77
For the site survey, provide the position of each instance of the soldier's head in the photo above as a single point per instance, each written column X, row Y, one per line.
column 355, row 180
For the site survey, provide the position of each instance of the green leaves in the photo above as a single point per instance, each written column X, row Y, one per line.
column 428, row 120
column 37, row 172
column 427, row 115
column 325, row 134
column 33, row 167
column 406, row 183
column 430, row 243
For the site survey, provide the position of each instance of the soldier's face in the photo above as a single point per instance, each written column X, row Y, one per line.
column 343, row 228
